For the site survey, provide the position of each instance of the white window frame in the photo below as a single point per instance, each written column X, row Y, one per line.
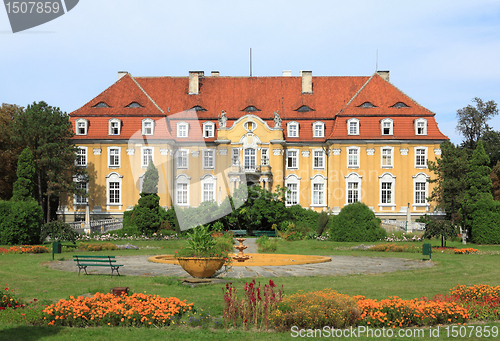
column 389, row 156
column 82, row 154
column 318, row 129
column 348, row 153
column 390, row 123
column 85, row 124
column 353, row 178
column 114, row 177
column 294, row 158
column 251, row 166
column 387, row 178
column 250, row 126
column 79, row 200
column 292, row 129
column 182, row 129
column 235, row 156
column 208, row 129
column 418, row 163
column 355, row 122
column 318, row 158
column 183, row 156
column 117, row 162
column 294, row 180
column 318, row 191
column 209, row 180
column 419, row 179
column 424, row 128
column 112, row 127
column 264, row 157
column 143, row 155
column 148, row 130
column 182, row 179
column 208, row 160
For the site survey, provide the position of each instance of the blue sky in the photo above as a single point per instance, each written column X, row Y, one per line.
column 440, row 53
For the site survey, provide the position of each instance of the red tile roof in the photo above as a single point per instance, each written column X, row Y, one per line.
column 333, row 99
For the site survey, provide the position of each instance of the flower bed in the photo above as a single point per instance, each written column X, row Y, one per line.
column 395, row 248
column 7, row 300
column 466, row 251
column 25, row 249
column 108, row 309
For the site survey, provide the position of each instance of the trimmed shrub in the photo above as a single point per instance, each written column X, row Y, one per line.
column 266, row 244
column 147, row 215
column 97, row 247
column 59, row 231
column 356, row 223
column 20, row 222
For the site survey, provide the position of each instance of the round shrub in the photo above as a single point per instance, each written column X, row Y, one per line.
column 59, row 231
column 356, row 223
column 20, row 222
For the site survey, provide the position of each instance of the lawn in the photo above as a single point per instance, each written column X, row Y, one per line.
column 32, row 279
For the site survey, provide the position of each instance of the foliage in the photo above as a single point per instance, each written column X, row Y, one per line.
column 151, row 178
column 25, row 249
column 266, row 244
column 395, row 248
column 404, row 237
column 322, row 222
column 58, row 231
column 202, row 244
column 147, row 214
column 356, row 223
column 472, row 121
column 450, row 182
column 481, row 213
column 289, row 231
column 491, row 142
column 20, row 222
column 107, row 309
column 315, row 310
column 8, row 152
column 47, row 132
column 8, row 300
column 23, row 187
column 495, row 181
column 254, row 308
column 97, row 247
column 443, row 229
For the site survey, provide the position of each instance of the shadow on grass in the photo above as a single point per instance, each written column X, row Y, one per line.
column 28, row 333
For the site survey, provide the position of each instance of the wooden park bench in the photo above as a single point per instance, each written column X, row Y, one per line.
column 85, row 261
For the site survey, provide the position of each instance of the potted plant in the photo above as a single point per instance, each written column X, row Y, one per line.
column 203, row 257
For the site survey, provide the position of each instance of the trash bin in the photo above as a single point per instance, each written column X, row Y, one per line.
column 427, row 250
column 56, row 247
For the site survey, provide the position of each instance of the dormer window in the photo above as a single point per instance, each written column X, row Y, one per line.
column 148, row 126
column 250, row 126
column 251, row 108
column 81, row 126
column 386, row 126
column 293, row 129
column 304, row 108
column 208, row 129
column 198, row 108
column 134, row 105
column 367, row 105
column 353, row 126
column 400, row 105
column 182, row 129
column 318, row 129
column 421, row 126
column 114, row 126
column 101, row 105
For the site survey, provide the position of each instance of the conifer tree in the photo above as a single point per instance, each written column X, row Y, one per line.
column 148, row 215
column 150, row 183
column 495, row 180
column 23, row 187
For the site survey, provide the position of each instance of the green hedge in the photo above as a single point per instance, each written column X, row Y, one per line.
column 20, row 222
column 356, row 223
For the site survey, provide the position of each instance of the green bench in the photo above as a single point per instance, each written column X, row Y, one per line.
column 238, row 233
column 265, row 233
column 85, row 261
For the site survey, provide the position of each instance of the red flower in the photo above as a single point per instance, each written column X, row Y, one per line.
column 271, row 283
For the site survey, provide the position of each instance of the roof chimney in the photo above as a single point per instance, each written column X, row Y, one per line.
column 215, row 73
column 194, row 81
column 121, row 74
column 287, row 73
column 384, row 75
column 307, row 86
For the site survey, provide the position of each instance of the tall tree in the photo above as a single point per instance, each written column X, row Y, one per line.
column 151, row 178
column 491, row 143
column 450, row 170
column 47, row 132
column 8, row 152
column 23, row 187
column 473, row 121
column 495, row 181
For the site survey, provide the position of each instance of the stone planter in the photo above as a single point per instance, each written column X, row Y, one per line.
column 200, row 267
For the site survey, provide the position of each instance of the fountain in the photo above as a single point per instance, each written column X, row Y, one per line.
column 240, row 257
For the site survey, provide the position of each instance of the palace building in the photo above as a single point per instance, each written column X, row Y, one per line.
column 330, row 141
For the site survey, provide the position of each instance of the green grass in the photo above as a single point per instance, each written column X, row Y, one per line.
column 30, row 276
